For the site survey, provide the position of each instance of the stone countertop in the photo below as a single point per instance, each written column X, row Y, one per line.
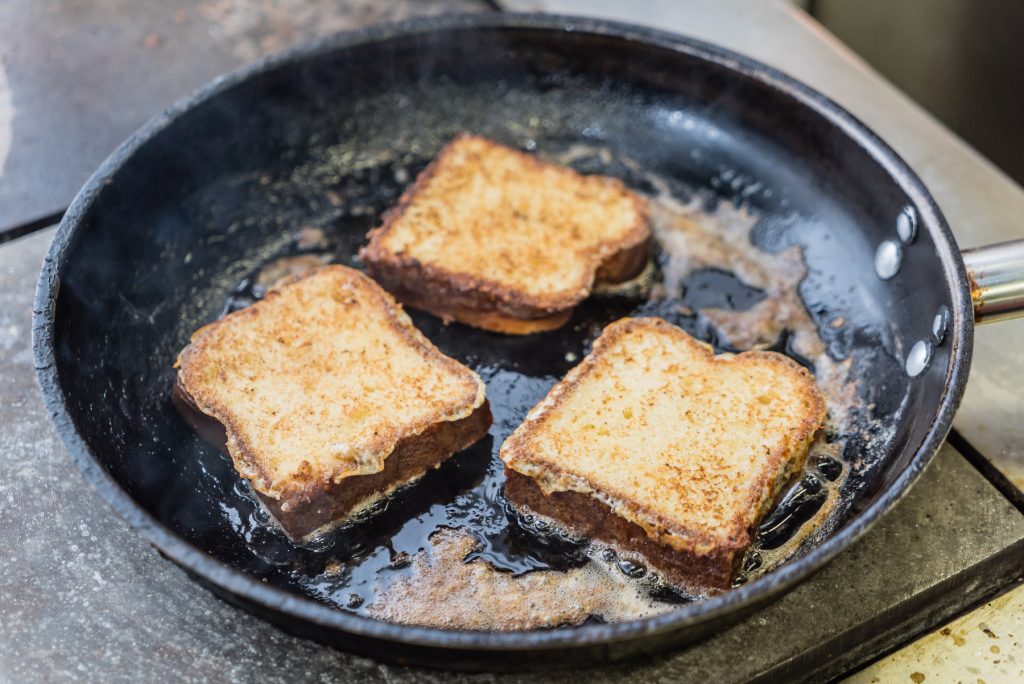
column 82, row 598
column 78, row 76
column 984, row 645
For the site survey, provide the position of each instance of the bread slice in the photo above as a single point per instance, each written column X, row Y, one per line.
column 658, row 446
column 497, row 239
column 326, row 397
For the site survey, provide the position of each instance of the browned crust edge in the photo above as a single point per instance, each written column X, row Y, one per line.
column 739, row 536
column 588, row 517
column 420, row 290
column 320, row 506
column 456, row 296
column 244, row 455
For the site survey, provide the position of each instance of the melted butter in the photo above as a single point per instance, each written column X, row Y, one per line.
column 475, row 596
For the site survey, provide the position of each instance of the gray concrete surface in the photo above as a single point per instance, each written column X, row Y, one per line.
column 78, row 76
column 83, row 599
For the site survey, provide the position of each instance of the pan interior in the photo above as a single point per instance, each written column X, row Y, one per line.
column 324, row 144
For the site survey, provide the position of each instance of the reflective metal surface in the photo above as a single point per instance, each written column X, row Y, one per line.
column 997, row 280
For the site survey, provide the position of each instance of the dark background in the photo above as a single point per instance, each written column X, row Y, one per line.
column 963, row 60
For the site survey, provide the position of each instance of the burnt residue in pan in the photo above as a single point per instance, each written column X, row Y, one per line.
column 448, row 551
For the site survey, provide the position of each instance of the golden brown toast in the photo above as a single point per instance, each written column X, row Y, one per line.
column 326, row 397
column 500, row 240
column 655, row 444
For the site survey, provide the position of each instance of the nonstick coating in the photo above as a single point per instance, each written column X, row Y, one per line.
column 177, row 217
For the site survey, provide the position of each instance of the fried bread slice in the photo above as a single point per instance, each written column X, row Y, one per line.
column 660, row 447
column 498, row 239
column 326, row 397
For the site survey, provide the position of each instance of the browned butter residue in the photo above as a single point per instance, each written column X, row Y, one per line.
column 443, row 591
column 692, row 239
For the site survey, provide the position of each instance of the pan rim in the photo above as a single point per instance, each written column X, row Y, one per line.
column 250, row 589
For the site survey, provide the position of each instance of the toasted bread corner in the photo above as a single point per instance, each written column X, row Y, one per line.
column 478, row 197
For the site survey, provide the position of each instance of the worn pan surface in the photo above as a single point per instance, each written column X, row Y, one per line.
column 166, row 232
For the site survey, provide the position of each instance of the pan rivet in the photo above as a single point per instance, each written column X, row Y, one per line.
column 906, row 225
column 919, row 357
column 940, row 324
column 888, row 259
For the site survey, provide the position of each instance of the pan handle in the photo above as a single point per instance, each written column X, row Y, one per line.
column 996, row 275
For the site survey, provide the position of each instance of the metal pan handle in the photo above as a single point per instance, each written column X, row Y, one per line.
column 996, row 275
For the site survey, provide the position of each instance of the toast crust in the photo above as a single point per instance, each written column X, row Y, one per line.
column 686, row 515
column 320, row 507
column 476, row 295
column 292, row 378
column 421, row 289
column 586, row 516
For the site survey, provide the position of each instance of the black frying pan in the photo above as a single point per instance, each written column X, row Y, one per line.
column 167, row 232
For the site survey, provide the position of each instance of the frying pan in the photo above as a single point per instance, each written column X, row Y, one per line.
column 176, row 219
